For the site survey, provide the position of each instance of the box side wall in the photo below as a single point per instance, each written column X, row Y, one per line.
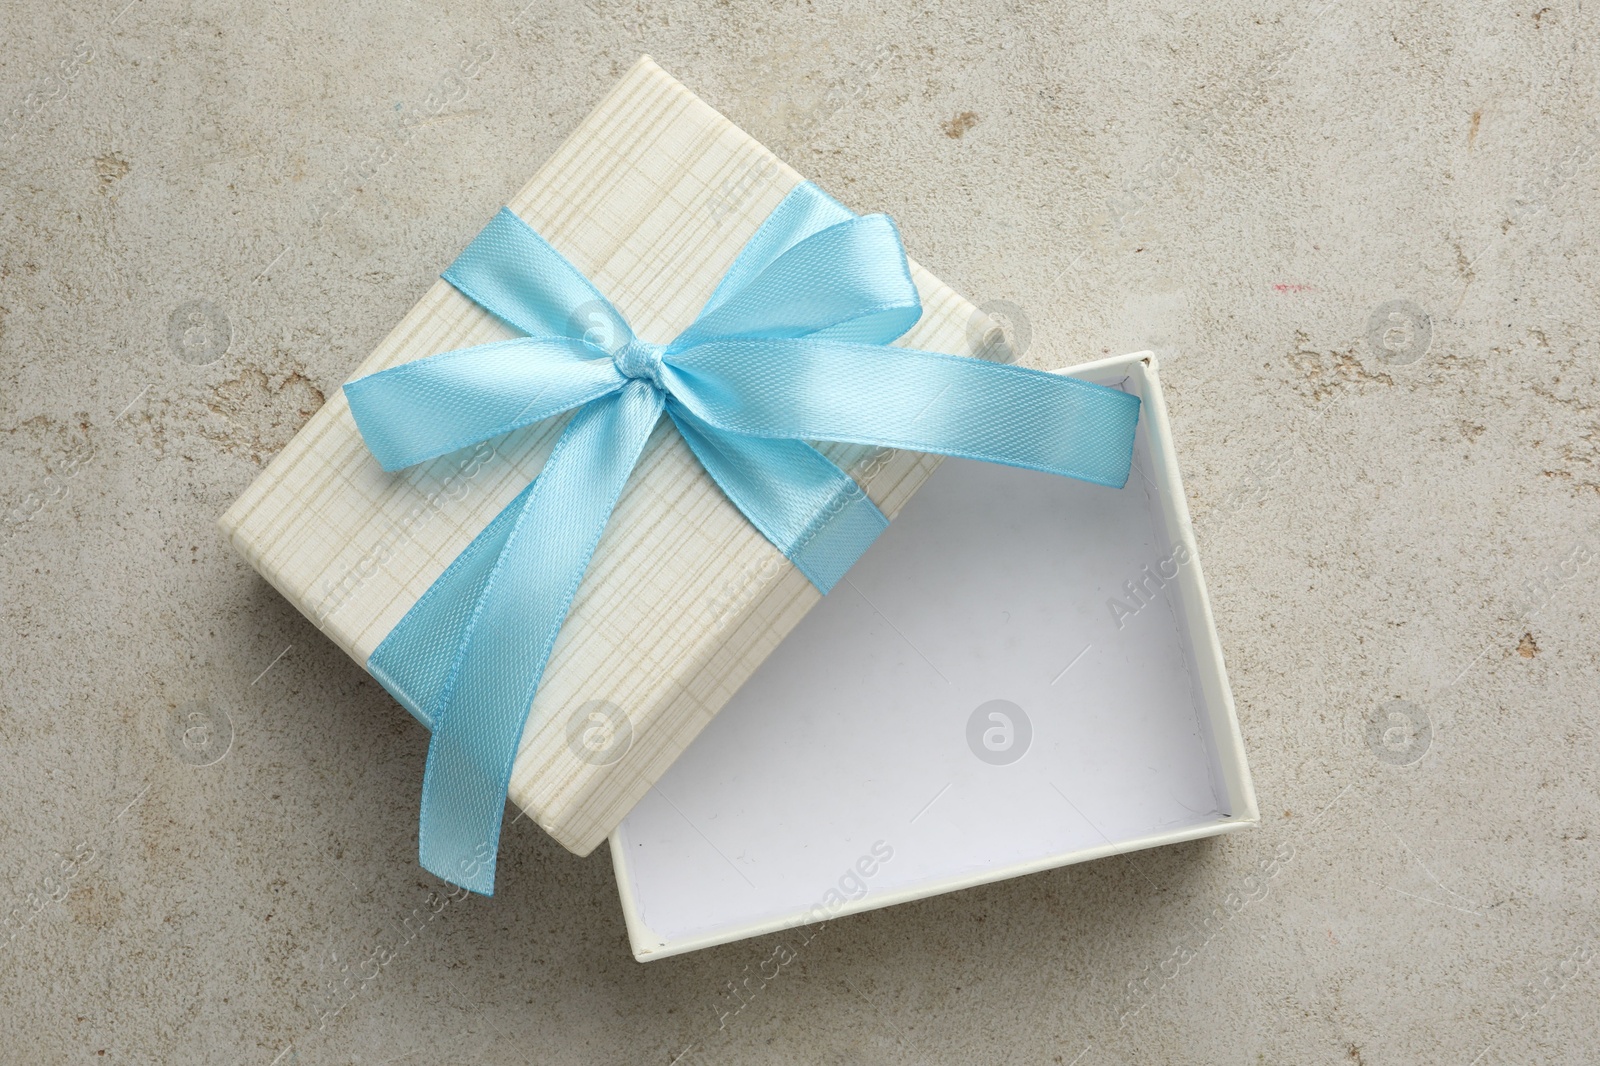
column 1237, row 792
column 648, row 946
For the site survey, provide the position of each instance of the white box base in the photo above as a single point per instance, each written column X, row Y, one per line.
column 852, row 740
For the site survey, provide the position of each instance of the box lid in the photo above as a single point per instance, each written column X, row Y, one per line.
column 652, row 197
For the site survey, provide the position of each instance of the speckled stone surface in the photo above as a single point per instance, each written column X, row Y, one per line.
column 1359, row 239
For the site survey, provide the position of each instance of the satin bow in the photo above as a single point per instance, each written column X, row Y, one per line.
column 792, row 346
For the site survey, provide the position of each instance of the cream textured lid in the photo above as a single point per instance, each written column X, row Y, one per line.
column 651, row 197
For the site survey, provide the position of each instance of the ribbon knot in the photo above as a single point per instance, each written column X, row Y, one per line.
column 641, row 361
column 793, row 346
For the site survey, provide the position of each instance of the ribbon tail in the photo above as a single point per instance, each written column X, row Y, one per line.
column 815, row 388
column 506, row 616
column 415, row 660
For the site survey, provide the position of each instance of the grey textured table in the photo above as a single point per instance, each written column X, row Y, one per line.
column 1359, row 239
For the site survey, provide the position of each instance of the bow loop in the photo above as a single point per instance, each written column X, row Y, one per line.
column 849, row 280
column 418, row 411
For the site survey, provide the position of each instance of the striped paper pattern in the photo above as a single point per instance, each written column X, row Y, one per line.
column 651, row 197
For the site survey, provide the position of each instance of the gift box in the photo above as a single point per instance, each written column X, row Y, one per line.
column 1057, row 695
column 651, row 198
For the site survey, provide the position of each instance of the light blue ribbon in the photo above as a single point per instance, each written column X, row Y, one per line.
column 794, row 345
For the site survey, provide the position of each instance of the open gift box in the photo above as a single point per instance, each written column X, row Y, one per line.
column 628, row 645
column 1021, row 673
